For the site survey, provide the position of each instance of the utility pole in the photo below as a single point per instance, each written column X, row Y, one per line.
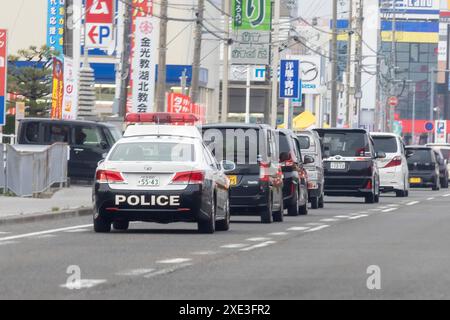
column 162, row 65
column 359, row 58
column 125, row 60
column 334, row 71
column 349, row 59
column 226, row 62
column 394, row 63
column 197, row 52
column 275, row 61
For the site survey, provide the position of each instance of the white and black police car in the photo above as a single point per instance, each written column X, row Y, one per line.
column 162, row 172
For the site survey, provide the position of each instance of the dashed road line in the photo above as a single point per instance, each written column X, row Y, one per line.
column 432, row 198
column 279, row 234
column 234, row 246
column 259, row 246
column 446, row 195
column 34, row 234
column 204, row 253
column 135, row 272
column 329, row 220
column 412, row 203
column 359, row 217
column 390, row 210
column 167, row 271
column 174, row 261
column 260, row 239
column 298, row 229
column 318, row 228
column 82, row 284
column 342, row 217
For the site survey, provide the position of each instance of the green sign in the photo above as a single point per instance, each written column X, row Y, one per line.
column 252, row 15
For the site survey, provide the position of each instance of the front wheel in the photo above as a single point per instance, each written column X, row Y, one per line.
column 209, row 226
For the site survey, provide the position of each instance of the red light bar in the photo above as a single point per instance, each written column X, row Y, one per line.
column 162, row 118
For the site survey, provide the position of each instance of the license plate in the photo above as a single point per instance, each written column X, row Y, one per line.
column 415, row 180
column 233, row 180
column 338, row 166
column 148, row 181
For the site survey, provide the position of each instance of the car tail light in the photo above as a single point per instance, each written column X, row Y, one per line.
column 189, row 177
column 107, row 176
column 397, row 161
column 264, row 174
column 369, row 185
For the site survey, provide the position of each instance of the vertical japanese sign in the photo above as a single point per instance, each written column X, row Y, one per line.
column 58, row 89
column 252, row 26
column 179, row 103
column 55, row 25
column 290, row 79
column 3, row 74
column 141, row 9
column 99, row 24
column 144, row 57
column 70, row 95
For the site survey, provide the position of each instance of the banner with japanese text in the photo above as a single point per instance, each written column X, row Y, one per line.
column 70, row 95
column 3, row 74
column 55, row 25
column 58, row 89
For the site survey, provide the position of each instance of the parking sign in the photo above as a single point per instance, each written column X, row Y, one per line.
column 289, row 79
column 99, row 23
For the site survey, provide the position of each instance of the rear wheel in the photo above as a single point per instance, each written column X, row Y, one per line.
column 444, row 183
column 266, row 213
column 278, row 216
column 370, row 199
column 437, row 185
column 315, row 203
column 101, row 225
column 209, row 226
column 121, row 225
column 224, row 225
column 293, row 209
column 322, row 201
column 304, row 209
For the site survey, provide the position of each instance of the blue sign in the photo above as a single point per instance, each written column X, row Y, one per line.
column 289, row 79
column 2, row 111
column 429, row 126
column 299, row 100
column 55, row 25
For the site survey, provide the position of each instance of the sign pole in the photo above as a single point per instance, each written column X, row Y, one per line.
column 275, row 61
column 414, row 116
column 247, row 96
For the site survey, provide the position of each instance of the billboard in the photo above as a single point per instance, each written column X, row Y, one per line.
column 3, row 74
column 412, row 9
column 55, row 25
column 251, row 27
column 70, row 95
column 144, row 64
column 290, row 79
column 99, row 24
column 58, row 89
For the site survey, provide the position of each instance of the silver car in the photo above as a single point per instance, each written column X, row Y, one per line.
column 311, row 146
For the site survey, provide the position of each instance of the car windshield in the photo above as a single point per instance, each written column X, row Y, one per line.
column 385, row 144
column 420, row 156
column 305, row 142
column 345, row 144
column 153, row 151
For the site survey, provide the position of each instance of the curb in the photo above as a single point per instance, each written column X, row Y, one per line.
column 82, row 212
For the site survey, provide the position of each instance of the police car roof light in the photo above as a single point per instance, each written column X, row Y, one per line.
column 162, row 118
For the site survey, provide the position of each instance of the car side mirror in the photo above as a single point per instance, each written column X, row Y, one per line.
column 227, row 166
column 308, row 160
column 380, row 155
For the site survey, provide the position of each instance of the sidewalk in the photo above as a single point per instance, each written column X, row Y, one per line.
column 70, row 199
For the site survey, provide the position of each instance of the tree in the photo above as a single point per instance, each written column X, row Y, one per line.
column 33, row 80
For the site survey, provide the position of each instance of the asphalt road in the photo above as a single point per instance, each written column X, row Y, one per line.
column 325, row 255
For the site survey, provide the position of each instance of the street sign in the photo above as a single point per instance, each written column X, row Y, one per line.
column 393, row 101
column 289, row 79
column 429, row 126
column 99, row 24
column 441, row 131
column 3, row 74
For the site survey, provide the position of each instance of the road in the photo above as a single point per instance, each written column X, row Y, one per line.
column 325, row 255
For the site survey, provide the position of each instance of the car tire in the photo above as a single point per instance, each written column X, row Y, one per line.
column 101, row 225
column 266, row 212
column 400, row 193
column 315, row 203
column 370, row 199
column 278, row 216
column 293, row 209
column 224, row 225
column 304, row 209
column 209, row 226
column 444, row 184
column 121, row 225
column 322, row 202
column 437, row 186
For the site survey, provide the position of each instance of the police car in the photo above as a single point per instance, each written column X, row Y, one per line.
column 162, row 172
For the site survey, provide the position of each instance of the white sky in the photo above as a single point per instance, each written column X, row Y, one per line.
column 315, row 8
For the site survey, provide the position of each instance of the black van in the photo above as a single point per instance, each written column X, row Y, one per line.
column 257, row 181
column 89, row 141
column 423, row 168
column 350, row 164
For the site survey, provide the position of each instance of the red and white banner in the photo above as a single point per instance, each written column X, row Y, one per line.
column 58, row 89
column 99, row 24
column 3, row 74
column 144, row 62
column 179, row 103
column 70, row 98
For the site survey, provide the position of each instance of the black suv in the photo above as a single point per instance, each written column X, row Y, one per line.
column 89, row 141
column 295, row 190
column 257, row 181
column 423, row 168
column 350, row 164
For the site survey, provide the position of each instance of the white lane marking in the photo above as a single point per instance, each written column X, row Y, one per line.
column 364, row 212
column 390, row 210
column 167, row 271
column 314, row 224
column 174, row 261
column 412, row 203
column 279, row 234
column 260, row 239
column 446, row 195
column 342, row 217
column 393, row 205
column 5, row 243
column 45, row 236
column 298, row 228
column 135, row 272
column 318, row 228
column 359, row 217
column 432, row 198
column 329, row 220
column 33, row 234
column 204, row 253
column 376, row 210
column 234, row 246
column 82, row 284
column 259, row 246
column 76, row 231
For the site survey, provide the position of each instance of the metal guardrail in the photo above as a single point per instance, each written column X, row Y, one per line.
column 31, row 170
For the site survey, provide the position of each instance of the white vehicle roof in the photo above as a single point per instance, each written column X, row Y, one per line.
column 139, row 130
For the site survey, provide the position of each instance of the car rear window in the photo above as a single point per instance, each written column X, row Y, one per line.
column 305, row 142
column 446, row 153
column 153, row 151
column 385, row 144
column 420, row 156
column 345, row 143
column 284, row 144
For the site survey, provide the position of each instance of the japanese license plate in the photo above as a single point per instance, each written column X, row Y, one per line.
column 233, row 180
column 338, row 166
column 148, row 181
column 415, row 180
